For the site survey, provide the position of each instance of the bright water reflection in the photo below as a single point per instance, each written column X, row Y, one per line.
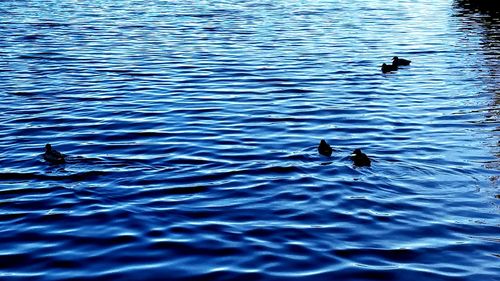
column 192, row 129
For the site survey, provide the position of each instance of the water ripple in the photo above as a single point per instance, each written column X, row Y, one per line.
column 191, row 132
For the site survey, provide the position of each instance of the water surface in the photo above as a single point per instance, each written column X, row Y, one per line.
column 191, row 130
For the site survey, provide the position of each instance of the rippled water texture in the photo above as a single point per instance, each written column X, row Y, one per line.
column 191, row 130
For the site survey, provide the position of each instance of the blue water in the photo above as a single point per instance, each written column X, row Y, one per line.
column 191, row 132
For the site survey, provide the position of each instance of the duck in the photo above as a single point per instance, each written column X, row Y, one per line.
column 53, row 156
column 397, row 61
column 389, row 67
column 359, row 158
column 324, row 148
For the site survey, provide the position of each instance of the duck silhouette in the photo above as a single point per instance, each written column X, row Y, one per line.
column 324, row 148
column 389, row 67
column 398, row 62
column 53, row 156
column 359, row 158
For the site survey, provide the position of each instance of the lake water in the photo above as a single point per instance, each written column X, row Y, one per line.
column 191, row 129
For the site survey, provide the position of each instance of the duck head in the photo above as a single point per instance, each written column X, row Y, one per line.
column 356, row 152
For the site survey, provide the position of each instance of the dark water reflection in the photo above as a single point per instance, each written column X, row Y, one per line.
column 191, row 129
column 483, row 17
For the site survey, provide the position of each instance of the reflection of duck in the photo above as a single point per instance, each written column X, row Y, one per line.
column 359, row 158
column 388, row 68
column 324, row 148
column 52, row 155
column 397, row 61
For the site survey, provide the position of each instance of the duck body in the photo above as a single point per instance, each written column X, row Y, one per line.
column 389, row 67
column 53, row 156
column 398, row 62
column 324, row 148
column 360, row 159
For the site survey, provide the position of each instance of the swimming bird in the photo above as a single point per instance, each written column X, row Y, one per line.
column 397, row 61
column 324, row 148
column 389, row 67
column 53, row 156
column 359, row 158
